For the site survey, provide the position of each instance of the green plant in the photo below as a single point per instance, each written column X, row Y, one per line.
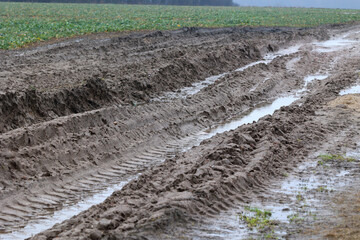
column 295, row 218
column 323, row 189
column 256, row 218
column 24, row 23
column 270, row 235
column 335, row 157
column 299, row 197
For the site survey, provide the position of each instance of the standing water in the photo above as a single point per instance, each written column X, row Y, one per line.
column 197, row 87
column 352, row 90
column 37, row 226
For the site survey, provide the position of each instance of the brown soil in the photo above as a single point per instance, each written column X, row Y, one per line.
column 84, row 74
column 77, row 116
column 349, row 222
column 228, row 169
column 349, row 101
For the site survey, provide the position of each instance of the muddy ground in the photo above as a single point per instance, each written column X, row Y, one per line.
column 85, row 74
column 79, row 116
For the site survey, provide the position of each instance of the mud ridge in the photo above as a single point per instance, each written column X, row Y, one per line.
column 80, row 151
column 29, row 107
column 135, row 68
column 66, row 142
column 62, row 160
column 209, row 179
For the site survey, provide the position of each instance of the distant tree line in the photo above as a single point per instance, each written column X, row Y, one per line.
column 155, row 2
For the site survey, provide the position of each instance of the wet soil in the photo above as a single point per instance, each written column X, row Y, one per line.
column 228, row 169
column 100, row 112
column 85, row 74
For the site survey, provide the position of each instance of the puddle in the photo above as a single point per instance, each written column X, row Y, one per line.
column 197, row 87
column 225, row 226
column 270, row 57
column 302, row 200
column 254, row 115
column 229, row 225
column 258, row 84
column 36, row 226
column 188, row 91
column 252, row 64
column 311, row 78
column 352, row 90
column 333, row 45
column 290, row 65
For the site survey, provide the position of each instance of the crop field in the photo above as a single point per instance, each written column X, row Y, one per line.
column 111, row 129
column 24, row 23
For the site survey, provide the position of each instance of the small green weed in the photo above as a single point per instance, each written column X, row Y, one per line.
column 334, row 157
column 260, row 220
column 295, row 218
column 299, row 197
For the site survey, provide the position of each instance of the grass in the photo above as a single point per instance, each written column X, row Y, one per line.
column 334, row 157
column 322, row 189
column 260, row 220
column 299, row 197
column 24, row 23
column 295, row 218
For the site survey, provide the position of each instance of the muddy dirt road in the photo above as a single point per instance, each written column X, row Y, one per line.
column 149, row 115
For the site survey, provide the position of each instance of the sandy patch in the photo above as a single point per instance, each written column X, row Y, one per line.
column 351, row 101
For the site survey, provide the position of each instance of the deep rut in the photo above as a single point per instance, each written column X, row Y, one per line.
column 185, row 117
column 93, row 150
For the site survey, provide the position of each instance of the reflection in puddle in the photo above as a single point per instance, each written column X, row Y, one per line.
column 188, row 91
column 333, row 45
column 197, row 87
column 228, row 225
column 302, row 199
column 351, row 90
column 225, row 226
column 36, row 226
column 40, row 225
column 270, row 57
column 255, row 115
column 311, row 78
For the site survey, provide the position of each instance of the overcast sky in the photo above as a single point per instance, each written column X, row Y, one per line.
column 354, row 4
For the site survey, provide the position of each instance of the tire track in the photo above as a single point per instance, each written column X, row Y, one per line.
column 229, row 97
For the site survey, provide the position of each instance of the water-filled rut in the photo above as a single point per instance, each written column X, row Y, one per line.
column 108, row 179
column 124, row 141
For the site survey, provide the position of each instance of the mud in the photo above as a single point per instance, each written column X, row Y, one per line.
column 209, row 179
column 68, row 142
column 228, row 169
column 48, row 82
column 347, row 101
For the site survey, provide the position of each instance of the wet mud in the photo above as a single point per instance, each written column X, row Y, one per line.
column 228, row 169
column 45, row 83
column 179, row 126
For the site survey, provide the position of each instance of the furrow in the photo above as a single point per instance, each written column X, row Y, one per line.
column 108, row 173
column 15, row 213
column 100, row 177
column 41, row 201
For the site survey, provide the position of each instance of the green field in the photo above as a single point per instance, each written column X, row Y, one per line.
column 24, row 23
